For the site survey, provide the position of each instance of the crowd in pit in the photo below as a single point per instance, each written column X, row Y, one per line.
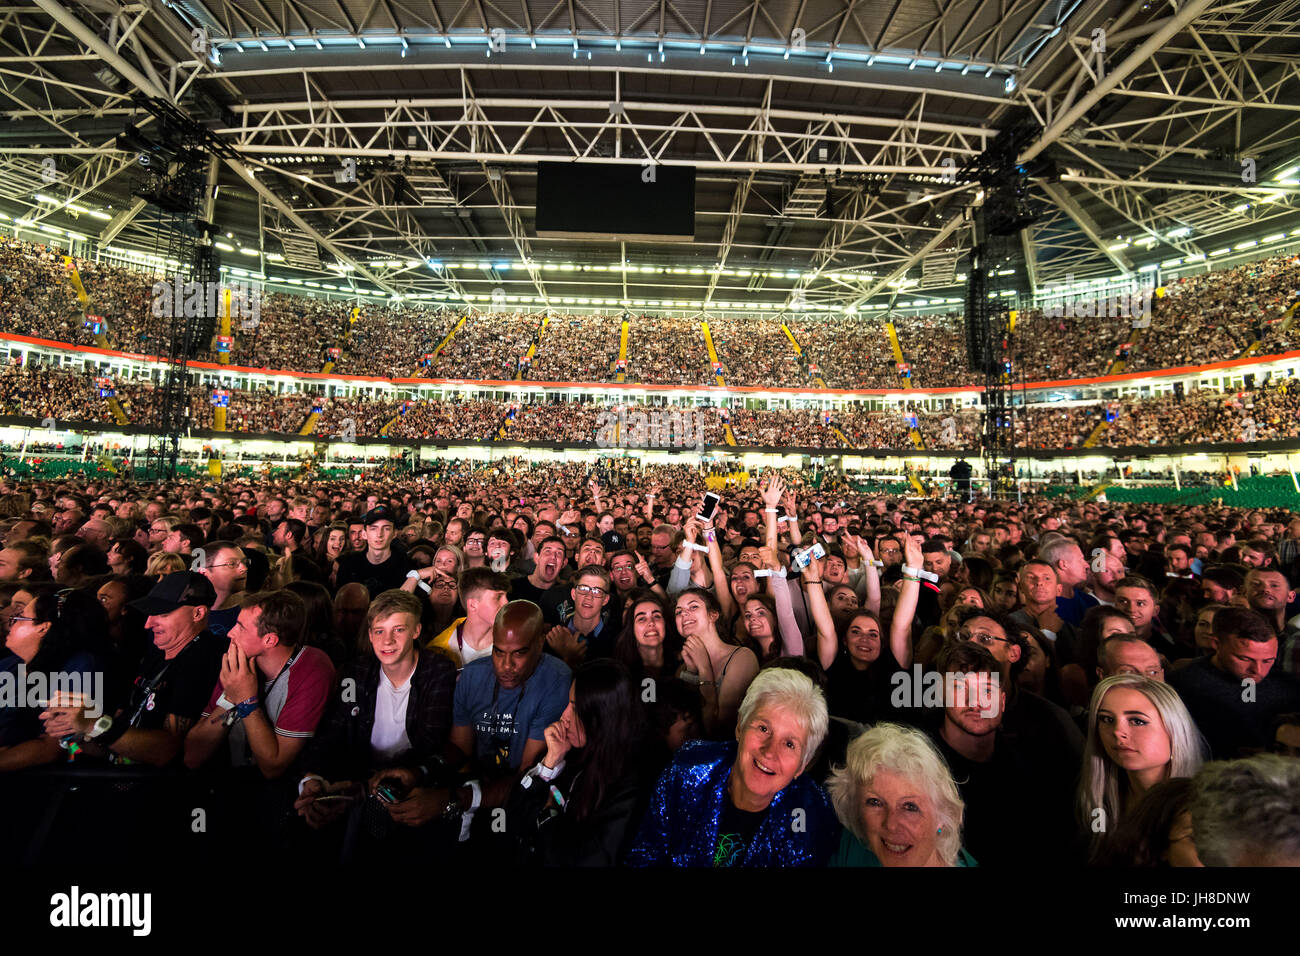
column 756, row 352
column 366, row 672
column 578, row 348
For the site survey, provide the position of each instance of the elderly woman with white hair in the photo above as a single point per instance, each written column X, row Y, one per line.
column 747, row 802
column 898, row 802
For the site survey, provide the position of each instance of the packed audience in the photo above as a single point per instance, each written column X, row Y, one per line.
column 636, row 673
column 579, row 348
column 755, row 351
column 1268, row 412
column 1200, row 319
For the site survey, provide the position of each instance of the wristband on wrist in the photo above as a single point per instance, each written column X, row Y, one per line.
column 244, row 708
column 695, row 547
column 770, row 511
column 107, row 738
column 310, row 776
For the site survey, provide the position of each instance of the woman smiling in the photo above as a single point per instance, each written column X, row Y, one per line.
column 746, row 803
column 898, row 802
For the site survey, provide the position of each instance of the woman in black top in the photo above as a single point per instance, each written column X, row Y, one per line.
column 648, row 645
column 859, row 664
column 579, row 805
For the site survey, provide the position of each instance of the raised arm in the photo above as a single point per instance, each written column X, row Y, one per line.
column 791, row 505
column 900, row 628
column 771, row 496
column 791, row 636
column 870, row 575
column 828, row 642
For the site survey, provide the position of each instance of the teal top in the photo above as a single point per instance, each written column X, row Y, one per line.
column 853, row 852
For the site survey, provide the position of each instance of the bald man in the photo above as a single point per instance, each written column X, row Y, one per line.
column 503, row 705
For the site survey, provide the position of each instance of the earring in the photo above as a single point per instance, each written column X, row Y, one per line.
column 940, row 830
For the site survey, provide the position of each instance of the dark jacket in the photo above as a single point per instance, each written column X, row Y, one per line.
column 552, row 837
column 341, row 748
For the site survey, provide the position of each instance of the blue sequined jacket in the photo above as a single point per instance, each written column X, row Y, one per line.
column 681, row 826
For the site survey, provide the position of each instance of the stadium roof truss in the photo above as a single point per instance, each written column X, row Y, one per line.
column 825, row 135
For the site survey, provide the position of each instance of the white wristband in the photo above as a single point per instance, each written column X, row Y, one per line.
column 696, row 547
column 918, row 572
column 548, row 773
column 310, row 776
column 770, row 511
column 476, row 795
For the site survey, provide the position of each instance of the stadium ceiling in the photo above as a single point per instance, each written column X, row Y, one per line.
column 824, row 133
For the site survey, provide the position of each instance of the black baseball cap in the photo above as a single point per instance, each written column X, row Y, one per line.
column 613, row 541
column 176, row 590
column 379, row 513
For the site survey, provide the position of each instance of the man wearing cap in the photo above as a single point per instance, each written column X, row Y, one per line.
column 378, row 567
column 175, row 680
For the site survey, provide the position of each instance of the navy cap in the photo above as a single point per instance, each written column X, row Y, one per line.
column 176, row 590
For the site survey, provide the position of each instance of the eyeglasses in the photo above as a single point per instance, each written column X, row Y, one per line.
column 588, row 589
column 229, row 564
column 444, row 585
column 21, row 617
column 987, row 640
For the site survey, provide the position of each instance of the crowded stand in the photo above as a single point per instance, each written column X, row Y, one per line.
column 489, row 347
column 847, row 352
column 392, row 342
column 1216, row 315
column 934, row 346
column 247, row 629
column 1270, row 412
column 579, row 348
column 667, row 350
column 1200, row 319
column 756, row 352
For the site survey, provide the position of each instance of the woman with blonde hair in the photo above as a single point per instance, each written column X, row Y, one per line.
column 163, row 563
column 898, row 802
column 1139, row 734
